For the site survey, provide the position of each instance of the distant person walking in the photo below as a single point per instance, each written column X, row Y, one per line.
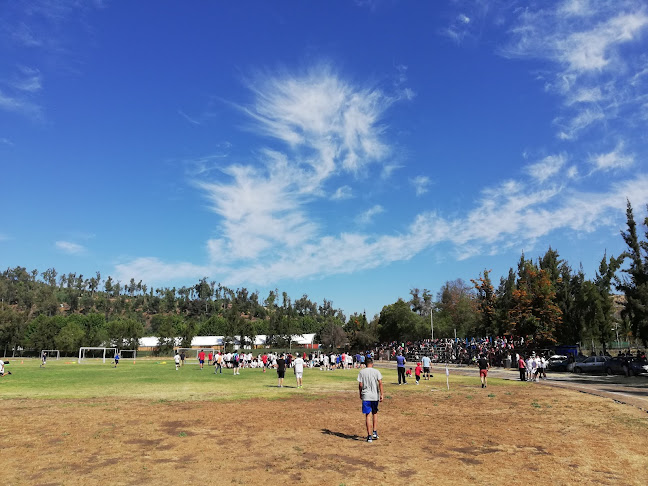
column 176, row 358
column 201, row 358
column 281, row 369
column 116, row 359
column 182, row 358
column 218, row 363
column 43, row 358
column 483, row 369
column 298, row 367
column 400, row 367
column 370, row 387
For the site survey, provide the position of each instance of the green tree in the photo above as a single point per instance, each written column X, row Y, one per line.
column 535, row 314
column 634, row 284
column 398, row 322
column 486, row 302
column 70, row 338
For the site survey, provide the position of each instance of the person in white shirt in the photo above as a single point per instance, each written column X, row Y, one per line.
column 2, row 368
column 177, row 360
column 298, row 367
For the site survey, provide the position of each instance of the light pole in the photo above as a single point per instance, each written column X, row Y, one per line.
column 432, row 324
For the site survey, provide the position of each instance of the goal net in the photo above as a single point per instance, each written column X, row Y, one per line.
column 92, row 353
column 191, row 354
column 51, row 353
column 128, row 353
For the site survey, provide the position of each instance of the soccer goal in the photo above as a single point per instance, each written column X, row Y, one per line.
column 191, row 354
column 51, row 353
column 96, row 353
column 128, row 353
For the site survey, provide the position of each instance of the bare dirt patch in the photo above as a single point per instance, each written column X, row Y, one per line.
column 466, row 436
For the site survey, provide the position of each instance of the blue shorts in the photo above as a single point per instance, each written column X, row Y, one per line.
column 369, row 406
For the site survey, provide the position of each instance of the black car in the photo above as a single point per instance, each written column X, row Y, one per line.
column 624, row 365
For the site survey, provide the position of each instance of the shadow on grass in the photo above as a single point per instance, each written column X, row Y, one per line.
column 342, row 435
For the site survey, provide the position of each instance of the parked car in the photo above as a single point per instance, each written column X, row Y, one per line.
column 593, row 364
column 625, row 365
column 618, row 366
column 558, row 362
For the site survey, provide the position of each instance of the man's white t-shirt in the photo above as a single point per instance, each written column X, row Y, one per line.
column 177, row 359
column 299, row 365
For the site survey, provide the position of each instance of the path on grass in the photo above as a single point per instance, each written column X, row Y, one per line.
column 631, row 390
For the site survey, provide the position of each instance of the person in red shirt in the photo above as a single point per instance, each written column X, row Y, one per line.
column 417, row 372
column 264, row 358
column 201, row 358
column 210, row 356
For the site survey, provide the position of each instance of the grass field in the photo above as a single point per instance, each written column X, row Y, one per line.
column 145, row 423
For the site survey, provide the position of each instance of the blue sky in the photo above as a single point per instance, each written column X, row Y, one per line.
column 346, row 150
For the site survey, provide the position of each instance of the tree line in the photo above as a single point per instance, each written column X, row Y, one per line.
column 546, row 301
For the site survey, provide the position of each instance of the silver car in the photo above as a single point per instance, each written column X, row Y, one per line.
column 593, row 364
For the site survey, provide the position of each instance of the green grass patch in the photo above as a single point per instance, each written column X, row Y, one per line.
column 157, row 381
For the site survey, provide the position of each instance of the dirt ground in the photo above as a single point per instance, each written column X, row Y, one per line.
column 465, row 436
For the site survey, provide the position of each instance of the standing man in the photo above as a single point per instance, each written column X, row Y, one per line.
column 182, row 358
column 400, row 366
column 201, row 358
column 370, row 387
column 43, row 359
column 522, row 368
column 177, row 360
column 427, row 364
column 483, row 369
column 235, row 362
column 281, row 369
column 210, row 356
column 218, row 363
column 116, row 359
column 298, row 367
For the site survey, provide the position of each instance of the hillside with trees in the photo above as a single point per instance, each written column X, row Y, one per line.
column 546, row 301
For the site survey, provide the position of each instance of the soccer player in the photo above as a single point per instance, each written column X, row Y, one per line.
column 298, row 367
column 417, row 372
column 2, row 369
column 483, row 369
column 116, row 359
column 201, row 358
column 43, row 358
column 210, row 356
column 177, row 360
column 370, row 387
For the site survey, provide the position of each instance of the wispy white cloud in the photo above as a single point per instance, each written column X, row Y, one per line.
column 191, row 120
column 616, row 159
column 6, row 141
column 367, row 216
column 20, row 105
column 421, row 184
column 70, row 247
column 585, row 41
column 547, row 168
column 27, row 79
column 342, row 192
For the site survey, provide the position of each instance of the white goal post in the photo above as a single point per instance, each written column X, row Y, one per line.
column 83, row 351
column 127, row 353
column 51, row 353
column 192, row 354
